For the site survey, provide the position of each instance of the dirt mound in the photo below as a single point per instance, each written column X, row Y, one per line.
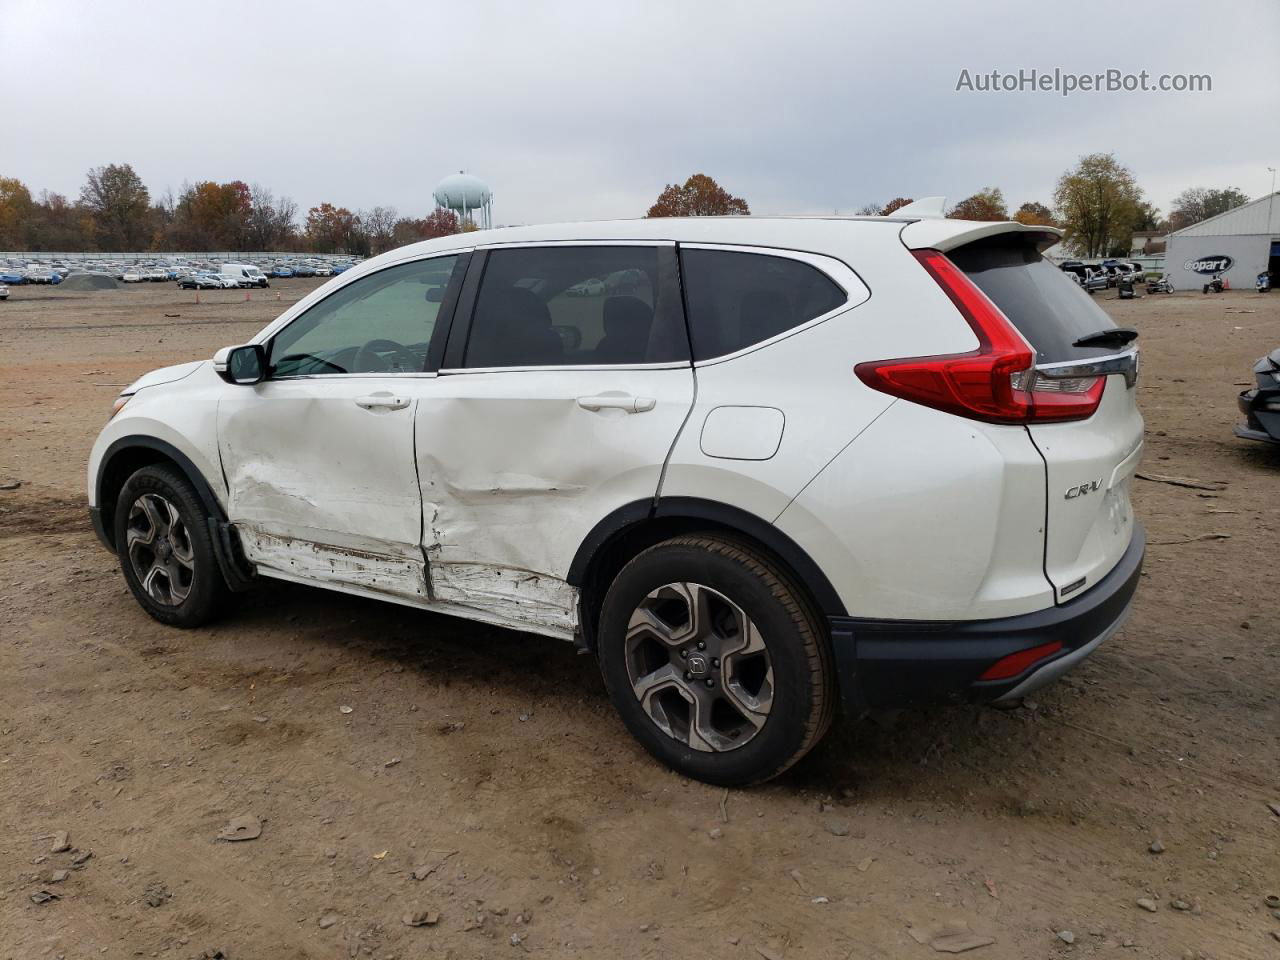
column 89, row 281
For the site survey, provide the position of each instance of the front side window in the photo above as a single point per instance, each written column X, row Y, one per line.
column 577, row 306
column 736, row 299
column 382, row 323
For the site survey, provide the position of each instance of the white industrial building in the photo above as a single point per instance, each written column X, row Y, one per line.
column 1238, row 244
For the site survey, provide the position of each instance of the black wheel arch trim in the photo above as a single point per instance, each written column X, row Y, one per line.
column 237, row 572
column 720, row 514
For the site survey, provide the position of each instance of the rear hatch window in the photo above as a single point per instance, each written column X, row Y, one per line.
column 1050, row 310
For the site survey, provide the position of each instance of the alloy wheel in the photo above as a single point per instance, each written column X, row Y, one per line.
column 159, row 549
column 699, row 667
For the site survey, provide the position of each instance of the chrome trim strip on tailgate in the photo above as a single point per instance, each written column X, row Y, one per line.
column 1125, row 363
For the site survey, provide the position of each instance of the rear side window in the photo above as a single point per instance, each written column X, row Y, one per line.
column 577, row 306
column 1048, row 309
column 736, row 299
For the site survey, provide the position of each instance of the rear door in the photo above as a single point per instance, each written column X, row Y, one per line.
column 1088, row 463
column 566, row 380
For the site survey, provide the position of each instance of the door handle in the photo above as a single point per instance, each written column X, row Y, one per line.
column 618, row 402
column 382, row 401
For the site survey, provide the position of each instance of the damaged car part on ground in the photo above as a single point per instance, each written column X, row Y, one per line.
column 761, row 468
column 1261, row 405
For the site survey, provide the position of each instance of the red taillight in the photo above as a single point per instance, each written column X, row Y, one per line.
column 1016, row 663
column 996, row 382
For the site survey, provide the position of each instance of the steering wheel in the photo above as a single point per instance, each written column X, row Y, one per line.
column 369, row 359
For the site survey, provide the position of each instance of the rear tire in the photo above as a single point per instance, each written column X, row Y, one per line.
column 733, row 695
column 162, row 540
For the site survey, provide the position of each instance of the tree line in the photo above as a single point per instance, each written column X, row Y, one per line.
column 1097, row 203
column 115, row 212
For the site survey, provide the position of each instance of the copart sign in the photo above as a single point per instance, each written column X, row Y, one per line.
column 1217, row 263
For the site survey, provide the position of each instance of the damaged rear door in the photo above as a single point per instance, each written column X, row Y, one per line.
column 565, row 382
column 319, row 458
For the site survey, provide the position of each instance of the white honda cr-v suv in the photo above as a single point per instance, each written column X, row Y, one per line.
column 761, row 468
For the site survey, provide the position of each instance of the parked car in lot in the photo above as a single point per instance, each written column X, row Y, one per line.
column 868, row 500
column 1088, row 278
column 244, row 275
column 303, row 270
column 4, row 292
column 39, row 274
column 1261, row 404
column 12, row 276
column 323, row 271
column 280, row 270
column 202, row 281
column 132, row 275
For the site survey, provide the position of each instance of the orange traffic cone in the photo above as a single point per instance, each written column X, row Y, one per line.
column 246, row 296
column 197, row 294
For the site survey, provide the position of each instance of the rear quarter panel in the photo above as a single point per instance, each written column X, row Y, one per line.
column 809, row 376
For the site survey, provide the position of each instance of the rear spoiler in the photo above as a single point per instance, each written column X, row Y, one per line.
column 936, row 233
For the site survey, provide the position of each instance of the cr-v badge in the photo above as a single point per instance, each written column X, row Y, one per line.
column 1079, row 490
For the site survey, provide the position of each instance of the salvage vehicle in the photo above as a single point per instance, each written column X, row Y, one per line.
column 1261, row 405
column 801, row 465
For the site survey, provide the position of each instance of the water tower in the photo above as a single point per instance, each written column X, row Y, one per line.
column 466, row 195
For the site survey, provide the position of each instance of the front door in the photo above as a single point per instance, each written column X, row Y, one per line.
column 319, row 458
column 562, row 395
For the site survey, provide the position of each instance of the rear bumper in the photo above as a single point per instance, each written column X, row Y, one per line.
column 891, row 663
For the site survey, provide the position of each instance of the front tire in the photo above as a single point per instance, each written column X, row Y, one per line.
column 716, row 660
column 162, row 540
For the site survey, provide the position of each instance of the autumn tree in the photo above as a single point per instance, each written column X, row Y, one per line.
column 214, row 215
column 1201, row 203
column 897, row 203
column 379, row 226
column 1099, row 202
column 331, row 229
column 1035, row 214
column 270, row 222
column 1148, row 217
column 57, row 224
column 986, row 204
column 438, row 223
column 15, row 212
column 119, row 203
column 699, row 196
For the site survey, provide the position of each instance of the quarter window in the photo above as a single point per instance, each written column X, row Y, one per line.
column 577, row 305
column 381, row 323
column 737, row 299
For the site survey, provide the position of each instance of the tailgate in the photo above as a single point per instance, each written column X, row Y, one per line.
column 1088, row 463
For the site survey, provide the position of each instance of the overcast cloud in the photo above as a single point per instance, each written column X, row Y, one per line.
column 584, row 110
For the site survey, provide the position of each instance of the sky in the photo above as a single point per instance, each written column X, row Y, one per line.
column 585, row 110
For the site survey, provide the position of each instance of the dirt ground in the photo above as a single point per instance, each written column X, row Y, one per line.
column 491, row 763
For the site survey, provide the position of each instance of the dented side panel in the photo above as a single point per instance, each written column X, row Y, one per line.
column 515, row 473
column 322, row 487
column 319, row 560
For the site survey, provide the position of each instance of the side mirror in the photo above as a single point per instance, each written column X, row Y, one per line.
column 244, row 365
